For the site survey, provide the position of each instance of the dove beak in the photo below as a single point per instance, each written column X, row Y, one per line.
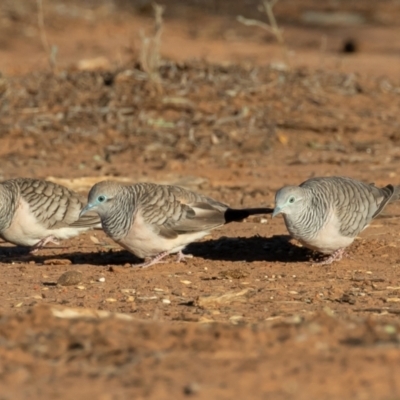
column 277, row 210
column 87, row 208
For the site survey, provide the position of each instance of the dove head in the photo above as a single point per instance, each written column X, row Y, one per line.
column 102, row 196
column 289, row 200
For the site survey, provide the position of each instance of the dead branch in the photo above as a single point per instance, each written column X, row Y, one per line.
column 271, row 27
column 150, row 59
column 51, row 51
column 268, row 8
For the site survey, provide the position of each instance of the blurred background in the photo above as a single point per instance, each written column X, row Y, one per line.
column 352, row 35
column 188, row 87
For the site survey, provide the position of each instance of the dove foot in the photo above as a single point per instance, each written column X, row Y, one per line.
column 182, row 257
column 43, row 242
column 335, row 256
column 155, row 260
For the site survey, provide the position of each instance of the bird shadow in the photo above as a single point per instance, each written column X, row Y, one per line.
column 277, row 248
column 101, row 257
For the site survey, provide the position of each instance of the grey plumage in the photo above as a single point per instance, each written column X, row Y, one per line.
column 34, row 212
column 153, row 220
column 326, row 214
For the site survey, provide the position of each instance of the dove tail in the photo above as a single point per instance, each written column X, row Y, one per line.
column 234, row 215
column 396, row 193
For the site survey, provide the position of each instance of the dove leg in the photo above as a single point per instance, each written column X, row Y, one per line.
column 182, row 257
column 43, row 242
column 156, row 260
column 336, row 256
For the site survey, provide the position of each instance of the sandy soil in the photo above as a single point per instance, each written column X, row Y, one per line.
column 250, row 315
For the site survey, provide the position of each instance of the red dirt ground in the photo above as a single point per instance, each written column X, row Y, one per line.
column 249, row 316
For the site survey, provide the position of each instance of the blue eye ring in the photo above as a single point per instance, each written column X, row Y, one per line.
column 291, row 200
column 101, row 199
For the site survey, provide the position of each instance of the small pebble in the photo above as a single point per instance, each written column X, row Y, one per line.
column 102, row 279
column 57, row 261
column 147, row 298
column 131, row 291
column 191, row 389
column 393, row 300
column 94, row 240
column 70, row 278
column 390, row 329
column 235, row 319
column 166, row 301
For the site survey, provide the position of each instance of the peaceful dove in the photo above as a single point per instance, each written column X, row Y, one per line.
column 35, row 212
column 326, row 214
column 152, row 221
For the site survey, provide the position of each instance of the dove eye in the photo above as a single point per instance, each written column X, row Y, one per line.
column 291, row 200
column 101, row 199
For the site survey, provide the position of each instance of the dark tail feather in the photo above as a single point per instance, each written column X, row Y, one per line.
column 391, row 194
column 396, row 193
column 232, row 215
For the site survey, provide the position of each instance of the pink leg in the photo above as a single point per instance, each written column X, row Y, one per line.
column 335, row 256
column 182, row 257
column 43, row 242
column 156, row 260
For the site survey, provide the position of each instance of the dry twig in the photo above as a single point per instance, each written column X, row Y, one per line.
column 271, row 27
column 51, row 51
column 150, row 59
